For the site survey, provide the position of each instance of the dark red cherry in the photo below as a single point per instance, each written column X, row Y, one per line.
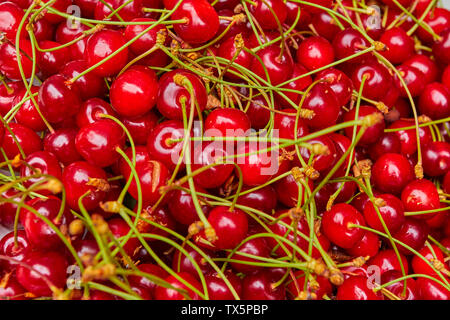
column 420, row 195
column 387, row 143
column 436, row 158
column 41, row 162
column 408, row 138
column 367, row 246
column 219, row 290
column 86, row 250
column 9, row 65
column 101, row 45
column 24, row 4
column 258, row 113
column 431, row 290
column 391, row 3
column 134, row 92
column 162, row 293
column 97, row 142
column 90, row 85
column 263, row 199
column 202, row 21
column 181, row 206
column 8, row 210
column 128, row 10
column 87, row 7
column 27, row 138
column 339, row 82
column 260, row 286
column 16, row 248
column 161, row 148
column 356, row 288
column 227, row 123
column 61, row 143
column 181, row 262
column 119, row 228
column 378, row 80
column 12, row 290
column 349, row 42
column 57, row 99
column 68, row 32
column 335, row 224
column 325, row 25
column 10, row 17
column 412, row 233
column 51, row 62
column 324, row 161
column 446, row 77
column 150, row 269
column 171, row 94
column 160, row 216
column 315, row 52
column 433, row 255
column 28, row 115
column 224, row 24
column 414, row 79
column 399, row 45
column 229, row 51
column 322, row 100
column 256, row 247
column 7, row 95
column 265, row 12
column 279, row 67
column 317, row 287
column 298, row 84
column 140, row 127
column 397, row 287
column 387, row 260
column 152, row 175
column 372, row 133
column 391, row 211
column 49, row 264
column 391, row 173
column 427, row 66
column 441, row 48
column 81, row 177
column 435, row 101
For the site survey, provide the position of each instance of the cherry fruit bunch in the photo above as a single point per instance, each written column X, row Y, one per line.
column 225, row 149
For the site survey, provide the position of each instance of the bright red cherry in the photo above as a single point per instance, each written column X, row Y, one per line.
column 60, row 5
column 181, row 262
column 90, row 85
column 263, row 11
column 356, row 288
column 433, row 255
column 12, row 290
column 412, row 233
column 119, row 228
column 339, row 82
column 8, row 93
column 91, row 110
column 160, row 216
column 285, row 124
column 388, row 143
column 349, row 42
column 325, row 25
column 438, row 19
column 258, row 113
column 372, row 133
column 435, row 101
column 162, row 293
column 97, row 142
column 391, row 211
column 263, row 199
column 298, row 84
column 79, row 178
column 172, row 93
column 391, row 173
column 41, row 162
column 427, row 66
column 397, row 287
column 28, row 115
column 10, row 17
column 140, row 127
column 9, row 65
column 414, row 79
column 181, row 206
column 367, row 246
column 322, row 100
column 408, row 138
column 219, row 290
column 441, row 49
column 227, row 123
column 420, row 195
column 229, row 51
column 8, row 210
column 387, row 260
column 51, row 62
column 50, row 264
column 288, row 191
column 202, row 21
column 321, row 162
column 257, row 247
column 378, row 80
column 68, row 32
column 128, row 10
column 100, row 46
column 436, row 158
column 315, row 52
column 260, row 286
column 335, row 224
column 431, row 290
column 14, row 249
column 279, row 66
column 152, row 269
column 399, row 45
column 27, row 138
column 61, row 143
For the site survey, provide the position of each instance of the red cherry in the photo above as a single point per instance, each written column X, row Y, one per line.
column 227, row 123
column 446, row 183
column 316, row 289
column 86, row 249
column 260, row 286
column 349, row 42
column 263, row 199
column 265, row 12
column 61, row 6
column 441, row 49
column 438, row 19
column 128, row 10
column 101, row 45
column 119, row 228
column 279, row 67
column 427, row 66
column 57, row 99
column 68, row 32
column 10, row 17
column 90, row 85
column 9, row 65
column 397, row 287
column 335, row 224
column 141, row 127
column 367, row 246
column 171, row 94
column 388, row 143
column 162, row 293
column 50, row 264
column 43, row 162
column 224, row 23
column 356, row 288
column 431, row 290
column 315, row 52
column 91, row 110
column 433, row 256
column 27, row 138
column 219, row 290
column 160, row 216
column 14, row 249
column 28, row 115
column 87, row 7
column 256, row 247
column 51, row 62
column 78, row 179
column 399, row 45
column 8, row 210
column 408, row 138
column 181, row 262
column 322, row 100
column 435, row 101
column 12, row 290
column 372, row 133
column 391, row 211
column 97, row 142
column 387, row 260
column 446, row 77
column 8, row 94
column 412, row 233
column 298, row 84
column 258, row 113
column 151, row 269
column 420, row 195
column 202, row 21
column 339, row 82
column 285, row 124
column 181, row 206
column 61, row 143
column 321, row 162
column 391, row 173
column 24, row 4
column 378, row 80
column 229, row 51
column 137, row 87
column 257, row 167
column 436, row 158
column 414, row 79
column 325, row 25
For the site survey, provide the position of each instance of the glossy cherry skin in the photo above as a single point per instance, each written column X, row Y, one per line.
column 408, row 138
column 159, row 216
column 224, row 23
column 61, row 143
column 28, row 114
column 436, row 158
column 446, row 77
column 162, row 293
column 439, row 20
column 421, row 267
column 128, row 10
column 279, row 68
column 181, row 262
column 101, row 45
column 322, row 100
column 152, row 175
column 427, row 66
column 219, row 290
column 182, row 208
column 372, row 133
column 10, row 17
column 27, row 138
column 91, row 110
column 399, row 46
column 321, row 162
column 8, row 248
column 298, row 84
column 60, row 5
column 170, row 94
column 315, row 52
column 339, row 82
column 430, row 290
column 412, row 233
column 8, row 94
column 227, row 122
column 229, row 51
column 134, row 92
column 76, row 178
column 420, row 195
column 152, row 269
column 263, row 14
column 202, row 21
column 335, row 224
column 257, row 247
column 414, row 79
column 97, row 142
column 9, row 65
column 66, row 33
column 285, row 124
column 367, row 246
column 435, row 101
column 12, row 290
column 378, row 80
column 51, row 62
column 259, row 286
column 348, row 42
column 263, row 199
column 391, row 211
column 42, row 162
column 57, row 99
column 119, row 228
column 397, row 287
column 140, row 127
column 387, row 143
column 355, row 288
column 8, row 210
column 256, row 168
column 387, row 260
column 90, row 85
column 441, row 49
column 51, row 264
column 391, row 173
column 325, row 25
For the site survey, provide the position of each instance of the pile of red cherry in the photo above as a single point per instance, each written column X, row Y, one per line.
column 103, row 103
